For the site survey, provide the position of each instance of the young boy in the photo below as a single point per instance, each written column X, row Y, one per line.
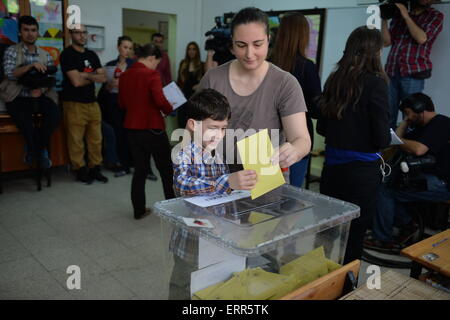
column 198, row 172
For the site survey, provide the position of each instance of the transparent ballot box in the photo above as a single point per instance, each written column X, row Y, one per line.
column 252, row 249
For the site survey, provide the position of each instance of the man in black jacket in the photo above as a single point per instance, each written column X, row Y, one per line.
column 426, row 138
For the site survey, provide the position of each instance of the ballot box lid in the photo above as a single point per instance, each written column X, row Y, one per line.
column 253, row 227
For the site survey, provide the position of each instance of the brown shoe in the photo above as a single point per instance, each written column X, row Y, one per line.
column 147, row 212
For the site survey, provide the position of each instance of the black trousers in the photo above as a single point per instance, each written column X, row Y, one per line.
column 115, row 117
column 143, row 144
column 358, row 183
column 21, row 111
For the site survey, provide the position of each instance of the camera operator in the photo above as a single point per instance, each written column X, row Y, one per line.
column 22, row 102
column 426, row 138
column 411, row 36
column 218, row 45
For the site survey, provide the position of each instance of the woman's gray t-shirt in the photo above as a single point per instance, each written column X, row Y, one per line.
column 279, row 95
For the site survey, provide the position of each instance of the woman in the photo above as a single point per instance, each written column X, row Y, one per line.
column 142, row 97
column 355, row 123
column 190, row 73
column 261, row 95
column 108, row 100
column 289, row 54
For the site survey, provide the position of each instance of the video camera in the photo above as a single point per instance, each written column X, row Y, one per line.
column 221, row 41
column 389, row 10
column 412, row 169
column 34, row 79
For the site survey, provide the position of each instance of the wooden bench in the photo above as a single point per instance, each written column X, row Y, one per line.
column 433, row 253
column 12, row 148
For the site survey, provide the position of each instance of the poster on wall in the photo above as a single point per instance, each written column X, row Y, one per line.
column 49, row 15
column 9, row 14
column 47, row 11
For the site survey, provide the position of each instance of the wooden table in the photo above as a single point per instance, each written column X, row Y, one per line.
column 433, row 253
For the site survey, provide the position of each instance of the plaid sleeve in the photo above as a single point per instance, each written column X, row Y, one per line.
column 192, row 177
column 434, row 26
column 186, row 183
column 9, row 62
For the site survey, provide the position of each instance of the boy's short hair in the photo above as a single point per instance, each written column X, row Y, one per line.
column 208, row 103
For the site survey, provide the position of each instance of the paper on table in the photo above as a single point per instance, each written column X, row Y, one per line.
column 216, row 199
column 174, row 95
column 395, row 140
column 256, row 152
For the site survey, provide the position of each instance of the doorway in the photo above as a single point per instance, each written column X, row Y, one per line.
column 140, row 25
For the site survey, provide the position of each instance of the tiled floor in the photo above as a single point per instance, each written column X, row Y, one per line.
column 43, row 233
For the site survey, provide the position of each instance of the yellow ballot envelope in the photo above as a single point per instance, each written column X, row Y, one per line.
column 256, row 152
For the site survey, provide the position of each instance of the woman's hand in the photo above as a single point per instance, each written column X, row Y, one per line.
column 113, row 84
column 286, row 155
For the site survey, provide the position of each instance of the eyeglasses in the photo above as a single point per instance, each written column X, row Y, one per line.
column 84, row 33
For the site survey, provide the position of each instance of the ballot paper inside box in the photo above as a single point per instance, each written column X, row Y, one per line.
column 258, row 236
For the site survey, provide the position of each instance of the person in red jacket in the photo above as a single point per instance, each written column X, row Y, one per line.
column 141, row 94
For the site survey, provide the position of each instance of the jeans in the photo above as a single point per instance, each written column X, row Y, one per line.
column 143, row 144
column 399, row 89
column 297, row 172
column 391, row 205
column 21, row 111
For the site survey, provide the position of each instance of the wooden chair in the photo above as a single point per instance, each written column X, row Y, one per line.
column 7, row 129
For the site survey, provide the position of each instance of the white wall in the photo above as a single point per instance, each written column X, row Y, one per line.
column 108, row 13
column 438, row 86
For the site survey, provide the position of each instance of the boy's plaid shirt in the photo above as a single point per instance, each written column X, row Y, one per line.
column 195, row 173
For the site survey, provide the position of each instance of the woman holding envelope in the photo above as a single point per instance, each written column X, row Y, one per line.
column 141, row 95
column 261, row 95
column 108, row 99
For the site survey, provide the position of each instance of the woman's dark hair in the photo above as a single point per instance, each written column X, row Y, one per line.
column 148, row 50
column 183, row 72
column 208, row 103
column 417, row 102
column 29, row 21
column 249, row 15
column 122, row 39
column 345, row 85
column 292, row 40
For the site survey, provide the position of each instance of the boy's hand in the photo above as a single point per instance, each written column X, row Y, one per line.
column 243, row 180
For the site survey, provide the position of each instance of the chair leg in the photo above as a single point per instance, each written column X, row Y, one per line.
column 39, row 178
column 48, row 174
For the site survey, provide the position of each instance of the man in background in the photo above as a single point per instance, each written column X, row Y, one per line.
column 82, row 69
column 164, row 66
column 411, row 36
